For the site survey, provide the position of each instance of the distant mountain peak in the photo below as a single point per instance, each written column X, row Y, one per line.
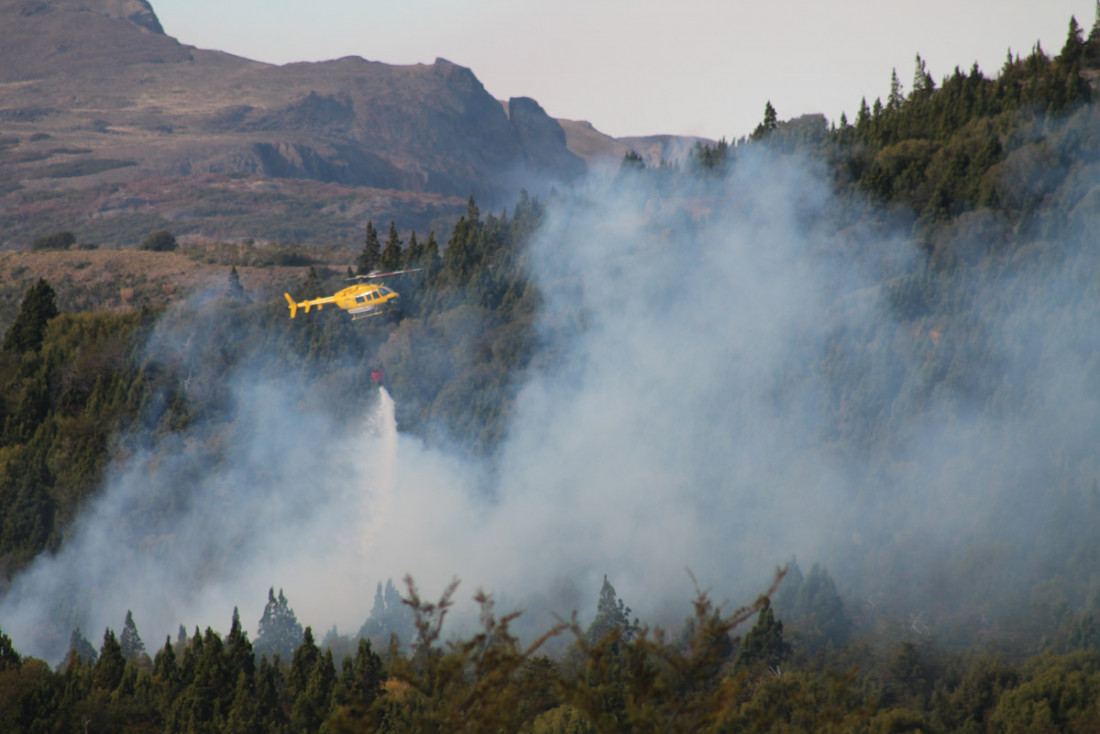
column 138, row 12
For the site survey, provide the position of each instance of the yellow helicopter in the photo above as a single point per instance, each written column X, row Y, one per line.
column 360, row 300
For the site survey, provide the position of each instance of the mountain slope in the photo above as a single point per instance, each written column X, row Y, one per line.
column 92, row 93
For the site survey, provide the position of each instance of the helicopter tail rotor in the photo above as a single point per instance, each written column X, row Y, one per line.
column 293, row 305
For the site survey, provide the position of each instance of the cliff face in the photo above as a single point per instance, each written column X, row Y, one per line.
column 543, row 139
column 93, row 92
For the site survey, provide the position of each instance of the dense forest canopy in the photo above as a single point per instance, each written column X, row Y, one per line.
column 866, row 352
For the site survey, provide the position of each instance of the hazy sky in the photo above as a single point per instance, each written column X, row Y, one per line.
column 696, row 67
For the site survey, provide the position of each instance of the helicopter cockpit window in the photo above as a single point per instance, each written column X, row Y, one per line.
column 384, row 291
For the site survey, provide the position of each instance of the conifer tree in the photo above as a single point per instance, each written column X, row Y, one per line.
column 1091, row 55
column 311, row 286
column 244, row 714
column 632, row 162
column 9, row 658
column 1074, row 47
column 130, row 642
column 764, row 644
column 238, row 649
column 432, row 260
column 80, row 646
column 391, row 255
column 389, row 616
column 164, row 665
column 414, row 253
column 611, row 615
column 894, row 102
column 372, row 251
column 363, row 674
column 863, row 117
column 769, row 124
column 314, row 699
column 29, row 328
column 234, row 289
column 279, row 632
column 111, row 664
column 923, row 85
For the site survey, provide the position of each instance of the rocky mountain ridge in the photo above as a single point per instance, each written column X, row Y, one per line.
column 99, row 108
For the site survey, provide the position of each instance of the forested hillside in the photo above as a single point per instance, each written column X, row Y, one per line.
column 872, row 344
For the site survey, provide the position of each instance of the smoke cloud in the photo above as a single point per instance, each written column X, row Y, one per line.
column 708, row 396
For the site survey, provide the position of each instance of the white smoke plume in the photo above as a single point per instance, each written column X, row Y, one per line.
column 679, row 418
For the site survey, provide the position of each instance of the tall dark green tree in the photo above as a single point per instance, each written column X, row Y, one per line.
column 80, row 646
column 923, row 84
column 391, row 254
column 29, row 328
column 130, row 642
column 238, row 649
column 432, row 260
column 111, row 664
column 165, row 669
column 896, row 98
column 234, row 289
column 768, row 125
column 611, row 615
column 279, row 632
column 372, row 252
column 764, row 644
column 414, row 253
column 9, row 658
column 632, row 162
column 301, row 665
column 389, row 616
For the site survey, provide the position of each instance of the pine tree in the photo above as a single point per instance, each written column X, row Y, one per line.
column 111, row 664
column 1074, row 47
column 80, row 646
column 372, row 252
column 244, row 714
column 764, row 644
column 301, row 666
column 363, row 675
column 894, row 102
column 389, row 616
column 432, row 260
column 29, row 329
column 164, row 665
column 863, row 117
column 1091, row 56
column 9, row 658
column 131, row 643
column 768, row 126
column 391, row 255
column 310, row 287
column 611, row 615
column 314, row 702
column 923, row 85
column 234, row 289
column 817, row 611
column 238, row 649
column 414, row 253
column 632, row 162
column 279, row 632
